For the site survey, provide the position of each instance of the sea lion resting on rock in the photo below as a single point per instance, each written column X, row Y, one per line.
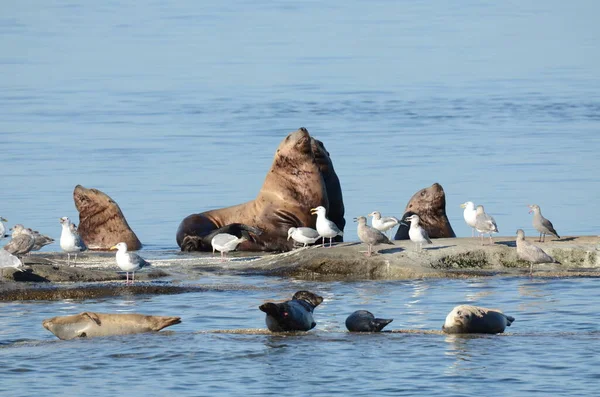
column 90, row 324
column 293, row 185
column 292, row 315
column 465, row 319
column 101, row 222
column 430, row 204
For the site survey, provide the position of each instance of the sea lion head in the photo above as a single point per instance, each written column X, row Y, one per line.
column 321, row 156
column 429, row 199
column 307, row 296
column 101, row 221
column 295, row 147
column 70, row 327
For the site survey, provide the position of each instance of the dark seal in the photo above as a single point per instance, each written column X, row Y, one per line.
column 292, row 315
column 365, row 321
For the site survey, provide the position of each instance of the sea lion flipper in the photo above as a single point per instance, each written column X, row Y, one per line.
column 92, row 316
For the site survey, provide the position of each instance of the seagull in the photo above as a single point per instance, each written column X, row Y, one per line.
column 531, row 253
column 485, row 223
column 2, row 228
column 40, row 240
column 303, row 235
column 417, row 234
column 325, row 227
column 383, row 224
column 470, row 214
column 22, row 241
column 70, row 242
column 369, row 235
column 541, row 224
column 9, row 260
column 128, row 261
column 225, row 242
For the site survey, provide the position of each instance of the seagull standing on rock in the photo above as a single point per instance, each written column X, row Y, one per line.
column 531, row 253
column 541, row 224
column 470, row 215
column 303, row 235
column 40, row 240
column 485, row 223
column 70, row 241
column 128, row 261
column 22, row 241
column 383, row 224
column 417, row 234
column 325, row 227
column 369, row 235
column 225, row 242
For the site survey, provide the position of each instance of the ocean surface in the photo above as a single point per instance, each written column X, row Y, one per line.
column 177, row 108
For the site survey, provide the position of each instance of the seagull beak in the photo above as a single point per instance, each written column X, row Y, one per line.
column 313, row 211
column 463, row 205
column 355, row 219
column 3, row 219
column 114, row 247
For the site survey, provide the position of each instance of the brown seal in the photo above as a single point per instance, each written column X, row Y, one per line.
column 101, row 222
column 90, row 324
column 293, row 186
column 430, row 204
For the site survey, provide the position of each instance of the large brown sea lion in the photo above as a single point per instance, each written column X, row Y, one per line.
column 430, row 204
column 90, row 324
column 293, row 186
column 101, row 222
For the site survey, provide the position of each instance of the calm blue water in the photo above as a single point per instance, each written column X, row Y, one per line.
column 552, row 347
column 178, row 108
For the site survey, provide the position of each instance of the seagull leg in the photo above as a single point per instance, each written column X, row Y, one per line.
column 491, row 241
column 330, row 240
column 68, row 258
column 126, row 278
column 472, row 232
column 75, row 261
column 132, row 277
column 222, row 256
column 540, row 240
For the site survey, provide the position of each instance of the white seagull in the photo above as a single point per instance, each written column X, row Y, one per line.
column 470, row 215
column 128, row 261
column 485, row 223
column 417, row 234
column 70, row 242
column 303, row 235
column 383, row 224
column 225, row 242
column 325, row 227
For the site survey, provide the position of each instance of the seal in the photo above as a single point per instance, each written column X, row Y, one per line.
column 90, row 324
column 332, row 185
column 430, row 204
column 101, row 222
column 465, row 319
column 293, row 186
column 292, row 315
column 365, row 321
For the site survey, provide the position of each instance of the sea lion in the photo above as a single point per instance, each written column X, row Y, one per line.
column 101, row 222
column 332, row 185
column 430, row 204
column 465, row 319
column 292, row 315
column 90, row 324
column 293, row 186
column 365, row 321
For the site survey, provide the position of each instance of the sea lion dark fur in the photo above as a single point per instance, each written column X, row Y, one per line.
column 293, row 186
column 332, row 184
column 101, row 222
column 430, row 204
